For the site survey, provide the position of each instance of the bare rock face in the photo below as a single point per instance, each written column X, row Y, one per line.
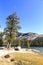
column 29, row 36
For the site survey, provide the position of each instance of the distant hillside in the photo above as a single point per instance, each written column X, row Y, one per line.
column 34, row 38
column 29, row 36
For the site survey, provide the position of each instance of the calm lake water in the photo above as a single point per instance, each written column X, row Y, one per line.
column 38, row 48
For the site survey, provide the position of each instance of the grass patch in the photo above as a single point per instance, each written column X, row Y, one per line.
column 24, row 59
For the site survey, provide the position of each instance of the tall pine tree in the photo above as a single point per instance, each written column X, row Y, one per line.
column 12, row 26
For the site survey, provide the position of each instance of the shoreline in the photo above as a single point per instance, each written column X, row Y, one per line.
column 4, row 52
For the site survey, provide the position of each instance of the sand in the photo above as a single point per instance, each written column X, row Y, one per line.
column 3, row 52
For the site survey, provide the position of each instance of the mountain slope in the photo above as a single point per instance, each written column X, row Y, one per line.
column 29, row 36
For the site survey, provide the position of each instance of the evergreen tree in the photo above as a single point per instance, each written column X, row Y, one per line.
column 1, row 38
column 12, row 26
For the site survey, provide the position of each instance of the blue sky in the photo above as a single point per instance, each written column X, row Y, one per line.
column 29, row 11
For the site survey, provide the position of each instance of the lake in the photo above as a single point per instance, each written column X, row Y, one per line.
column 38, row 48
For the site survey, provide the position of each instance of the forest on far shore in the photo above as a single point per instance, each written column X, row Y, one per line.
column 23, row 42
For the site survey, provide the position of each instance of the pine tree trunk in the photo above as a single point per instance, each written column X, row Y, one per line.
column 8, row 45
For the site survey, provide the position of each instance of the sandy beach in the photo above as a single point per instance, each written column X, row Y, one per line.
column 6, row 51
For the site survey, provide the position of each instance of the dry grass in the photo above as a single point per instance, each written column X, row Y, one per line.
column 23, row 59
column 32, row 59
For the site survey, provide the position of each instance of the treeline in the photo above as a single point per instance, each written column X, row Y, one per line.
column 37, row 42
column 23, row 42
column 27, row 43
